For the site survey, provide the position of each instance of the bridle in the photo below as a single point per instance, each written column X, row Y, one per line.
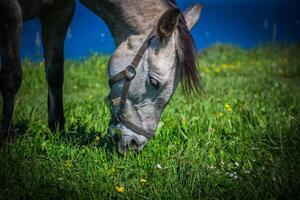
column 128, row 74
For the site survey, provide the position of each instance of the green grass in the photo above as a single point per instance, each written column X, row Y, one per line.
column 239, row 140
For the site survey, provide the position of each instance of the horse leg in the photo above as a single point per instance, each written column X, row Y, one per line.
column 54, row 28
column 10, row 71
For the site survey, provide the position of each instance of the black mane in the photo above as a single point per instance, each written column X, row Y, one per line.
column 190, row 76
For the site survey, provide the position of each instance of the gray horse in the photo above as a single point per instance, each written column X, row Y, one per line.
column 154, row 52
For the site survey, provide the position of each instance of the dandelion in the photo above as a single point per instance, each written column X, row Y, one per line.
column 218, row 70
column 143, row 181
column 228, row 107
column 120, row 189
column 97, row 138
column 212, row 130
column 206, row 70
column 219, row 114
column 68, row 163
column 225, row 66
column 103, row 66
column 113, row 169
column 182, row 119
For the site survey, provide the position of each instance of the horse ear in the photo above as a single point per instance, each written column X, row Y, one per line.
column 168, row 22
column 192, row 15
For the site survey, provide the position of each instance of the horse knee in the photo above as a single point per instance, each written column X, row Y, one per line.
column 54, row 80
column 54, row 71
column 55, row 76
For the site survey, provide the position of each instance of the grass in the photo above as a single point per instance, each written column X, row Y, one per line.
column 239, row 140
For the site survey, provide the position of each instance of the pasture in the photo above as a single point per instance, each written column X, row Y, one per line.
column 240, row 139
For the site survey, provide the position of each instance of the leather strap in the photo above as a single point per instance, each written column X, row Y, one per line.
column 129, row 74
column 137, row 129
column 143, row 48
column 136, row 60
column 116, row 78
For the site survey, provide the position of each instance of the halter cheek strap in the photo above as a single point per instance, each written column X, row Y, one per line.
column 128, row 74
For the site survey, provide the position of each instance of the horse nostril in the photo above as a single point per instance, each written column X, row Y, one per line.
column 134, row 144
column 115, row 138
column 122, row 148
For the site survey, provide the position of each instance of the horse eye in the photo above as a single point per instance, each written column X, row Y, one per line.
column 154, row 83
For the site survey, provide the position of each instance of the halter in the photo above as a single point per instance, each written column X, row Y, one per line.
column 129, row 74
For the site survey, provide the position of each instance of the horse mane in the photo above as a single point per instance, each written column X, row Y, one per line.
column 189, row 73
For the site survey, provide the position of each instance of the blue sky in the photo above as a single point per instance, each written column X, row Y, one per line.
column 243, row 23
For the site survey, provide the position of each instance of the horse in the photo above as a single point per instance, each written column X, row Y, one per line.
column 154, row 52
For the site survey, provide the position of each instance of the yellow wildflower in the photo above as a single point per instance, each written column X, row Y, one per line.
column 206, row 70
column 97, row 138
column 143, row 181
column 285, row 60
column 113, row 170
column 103, row 65
column 68, row 163
column 225, row 66
column 182, row 119
column 228, row 107
column 120, row 189
column 219, row 114
column 218, row 69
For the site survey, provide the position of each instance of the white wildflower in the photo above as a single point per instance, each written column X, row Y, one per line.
column 158, row 166
column 237, row 164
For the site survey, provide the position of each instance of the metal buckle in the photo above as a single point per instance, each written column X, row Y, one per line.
column 130, row 72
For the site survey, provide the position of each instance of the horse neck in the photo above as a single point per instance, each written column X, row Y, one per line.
column 127, row 17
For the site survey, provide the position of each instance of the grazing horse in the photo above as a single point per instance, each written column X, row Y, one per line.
column 155, row 50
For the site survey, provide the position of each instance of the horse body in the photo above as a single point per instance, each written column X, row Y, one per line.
column 39, row 8
column 168, row 59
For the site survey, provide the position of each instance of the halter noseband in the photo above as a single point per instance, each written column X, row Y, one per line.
column 129, row 74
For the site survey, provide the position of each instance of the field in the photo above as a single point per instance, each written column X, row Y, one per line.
column 240, row 139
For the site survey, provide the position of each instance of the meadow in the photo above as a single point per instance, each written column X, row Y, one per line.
column 239, row 139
